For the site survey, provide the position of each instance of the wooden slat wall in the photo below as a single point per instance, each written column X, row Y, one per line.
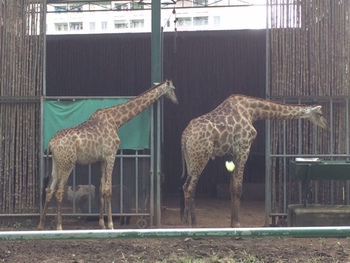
column 310, row 53
column 21, row 49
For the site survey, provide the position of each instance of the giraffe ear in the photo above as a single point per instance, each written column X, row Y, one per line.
column 317, row 109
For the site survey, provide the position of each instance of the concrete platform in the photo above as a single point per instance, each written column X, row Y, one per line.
column 318, row 215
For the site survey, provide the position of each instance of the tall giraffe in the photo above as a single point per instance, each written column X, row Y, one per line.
column 229, row 129
column 95, row 140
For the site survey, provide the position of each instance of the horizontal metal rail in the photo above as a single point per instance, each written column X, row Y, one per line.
column 73, row 214
column 177, row 233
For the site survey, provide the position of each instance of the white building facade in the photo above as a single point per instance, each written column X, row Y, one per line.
column 128, row 17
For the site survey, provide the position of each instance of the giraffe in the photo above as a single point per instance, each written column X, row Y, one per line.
column 229, row 130
column 95, row 140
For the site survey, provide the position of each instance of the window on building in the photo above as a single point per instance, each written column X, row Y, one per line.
column 92, row 25
column 61, row 26
column 104, row 25
column 216, row 20
column 200, row 21
column 121, row 6
column 137, row 23
column 60, row 8
column 184, row 21
column 76, row 26
column 104, row 5
column 166, row 23
column 118, row 24
column 136, row 6
column 76, row 7
column 200, row 2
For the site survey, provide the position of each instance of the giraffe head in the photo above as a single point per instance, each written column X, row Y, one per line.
column 314, row 114
column 169, row 91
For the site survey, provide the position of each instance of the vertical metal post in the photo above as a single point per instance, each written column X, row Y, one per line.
column 267, row 129
column 42, row 100
column 156, row 61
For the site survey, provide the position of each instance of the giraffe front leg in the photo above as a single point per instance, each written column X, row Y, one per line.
column 108, row 191
column 101, row 221
column 108, row 195
column 193, row 212
column 236, row 192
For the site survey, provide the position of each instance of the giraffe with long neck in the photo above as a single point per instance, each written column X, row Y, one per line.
column 229, row 130
column 95, row 140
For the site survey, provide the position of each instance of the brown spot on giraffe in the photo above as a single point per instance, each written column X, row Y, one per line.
column 95, row 140
column 230, row 136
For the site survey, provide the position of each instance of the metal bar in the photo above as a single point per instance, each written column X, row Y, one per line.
column 311, row 155
column 121, row 201
column 312, row 98
column 73, row 215
column 152, row 171
column 74, row 189
column 331, row 146
column 177, row 233
column 74, row 98
column 158, row 174
column 90, row 190
column 347, row 148
column 137, row 181
column 272, row 155
column 122, row 155
column 20, row 98
column 284, row 168
column 42, row 170
column 156, row 62
column 267, row 126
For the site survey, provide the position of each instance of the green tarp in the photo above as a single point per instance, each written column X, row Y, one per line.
column 134, row 135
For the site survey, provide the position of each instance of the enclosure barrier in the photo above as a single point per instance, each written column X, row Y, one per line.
column 177, row 233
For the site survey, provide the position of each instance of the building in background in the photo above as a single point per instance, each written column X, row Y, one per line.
column 69, row 17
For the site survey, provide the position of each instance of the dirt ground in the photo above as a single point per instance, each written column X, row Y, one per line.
column 211, row 212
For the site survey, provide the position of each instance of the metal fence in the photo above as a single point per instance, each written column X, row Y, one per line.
column 132, row 177
column 297, row 138
column 131, row 194
column 309, row 55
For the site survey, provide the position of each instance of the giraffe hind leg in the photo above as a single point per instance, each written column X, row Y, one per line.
column 59, row 198
column 189, row 189
column 182, row 199
column 48, row 192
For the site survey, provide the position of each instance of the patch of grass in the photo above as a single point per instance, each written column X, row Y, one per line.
column 17, row 225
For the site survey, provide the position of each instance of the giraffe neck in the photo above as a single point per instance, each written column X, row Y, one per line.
column 263, row 109
column 258, row 109
column 124, row 112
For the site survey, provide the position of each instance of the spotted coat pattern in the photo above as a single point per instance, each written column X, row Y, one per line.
column 229, row 130
column 95, row 140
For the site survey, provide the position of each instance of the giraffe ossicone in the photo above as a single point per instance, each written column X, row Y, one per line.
column 228, row 129
column 95, row 140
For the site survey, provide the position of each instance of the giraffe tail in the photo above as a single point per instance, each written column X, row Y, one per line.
column 182, row 182
column 46, row 180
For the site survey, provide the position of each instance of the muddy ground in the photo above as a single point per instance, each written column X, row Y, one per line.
column 211, row 212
